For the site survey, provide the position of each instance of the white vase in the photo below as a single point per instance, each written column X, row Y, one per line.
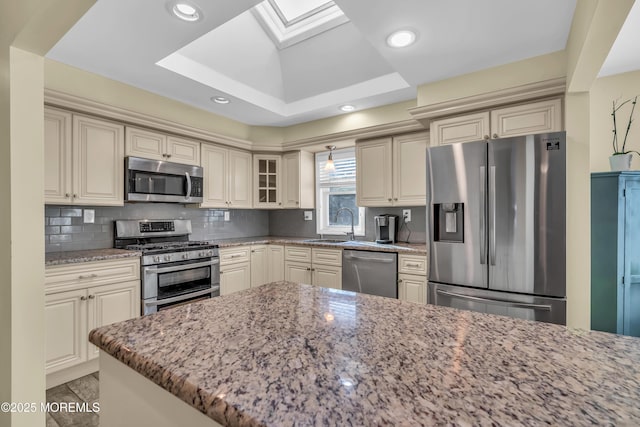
column 620, row 162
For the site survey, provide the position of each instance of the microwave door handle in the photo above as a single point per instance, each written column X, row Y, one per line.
column 188, row 184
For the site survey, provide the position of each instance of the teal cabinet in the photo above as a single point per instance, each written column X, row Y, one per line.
column 615, row 252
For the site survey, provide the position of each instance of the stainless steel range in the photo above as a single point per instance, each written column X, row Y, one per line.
column 174, row 270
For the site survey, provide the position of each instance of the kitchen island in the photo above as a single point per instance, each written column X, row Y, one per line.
column 295, row 354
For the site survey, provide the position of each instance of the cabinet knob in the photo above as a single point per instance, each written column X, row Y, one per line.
column 253, row 251
column 92, row 296
column 83, row 298
column 395, row 199
column 486, row 137
column 399, row 280
column 279, row 203
column 495, row 135
column 67, row 195
column 168, row 155
column 221, row 272
column 297, row 203
column 308, row 268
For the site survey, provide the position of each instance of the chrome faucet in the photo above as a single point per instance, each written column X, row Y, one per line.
column 352, row 235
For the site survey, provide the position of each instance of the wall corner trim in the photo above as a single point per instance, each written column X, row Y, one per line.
column 526, row 92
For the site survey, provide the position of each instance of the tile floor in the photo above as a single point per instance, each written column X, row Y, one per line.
column 83, row 389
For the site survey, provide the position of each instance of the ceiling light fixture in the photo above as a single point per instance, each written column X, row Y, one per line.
column 347, row 108
column 401, row 38
column 186, row 11
column 220, row 100
column 330, row 166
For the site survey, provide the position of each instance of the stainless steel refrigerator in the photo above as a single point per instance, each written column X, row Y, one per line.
column 496, row 223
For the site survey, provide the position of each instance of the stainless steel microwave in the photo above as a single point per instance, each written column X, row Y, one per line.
column 159, row 181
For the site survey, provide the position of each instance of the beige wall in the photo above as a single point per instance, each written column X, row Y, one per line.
column 540, row 68
column 603, row 92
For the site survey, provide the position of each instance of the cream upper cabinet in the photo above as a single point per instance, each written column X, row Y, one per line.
column 534, row 117
column 83, row 160
column 392, row 171
column 98, row 162
column 467, row 128
column 298, row 180
column 266, row 181
column 227, row 177
column 58, row 156
column 374, row 171
column 158, row 146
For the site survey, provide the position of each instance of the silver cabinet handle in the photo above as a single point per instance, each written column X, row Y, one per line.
column 384, row 260
column 413, row 264
column 155, row 269
column 88, row 276
column 492, row 215
column 497, row 301
column 235, row 256
column 483, row 215
column 188, row 184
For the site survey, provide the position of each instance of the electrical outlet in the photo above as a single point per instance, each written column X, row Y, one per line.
column 89, row 216
column 406, row 214
column 227, row 216
column 308, row 215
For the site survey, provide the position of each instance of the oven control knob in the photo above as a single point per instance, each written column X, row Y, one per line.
column 200, row 254
column 210, row 253
column 156, row 258
column 185, row 256
column 167, row 257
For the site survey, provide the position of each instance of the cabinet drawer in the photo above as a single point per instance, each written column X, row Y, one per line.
column 297, row 253
column 62, row 277
column 327, row 256
column 412, row 264
column 234, row 255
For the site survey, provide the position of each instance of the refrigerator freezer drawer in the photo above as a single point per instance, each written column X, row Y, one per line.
column 529, row 307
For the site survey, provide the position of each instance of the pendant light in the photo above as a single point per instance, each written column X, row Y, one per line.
column 329, row 166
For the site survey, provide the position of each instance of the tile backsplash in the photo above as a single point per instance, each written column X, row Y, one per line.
column 65, row 229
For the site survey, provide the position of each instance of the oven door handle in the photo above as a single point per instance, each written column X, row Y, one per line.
column 153, row 269
column 181, row 297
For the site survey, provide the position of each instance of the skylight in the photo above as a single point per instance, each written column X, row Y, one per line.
column 288, row 22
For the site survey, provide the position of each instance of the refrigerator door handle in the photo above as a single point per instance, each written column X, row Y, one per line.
column 483, row 215
column 542, row 307
column 492, row 215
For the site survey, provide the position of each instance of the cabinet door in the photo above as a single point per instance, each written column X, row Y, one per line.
column 631, row 273
column 468, row 128
column 259, row 265
column 297, row 272
column 110, row 304
column 234, row 278
column 180, row 150
column 536, row 117
column 65, row 319
column 239, row 179
column 145, row 143
column 214, row 165
column 57, row 154
column 275, row 261
column 327, row 276
column 291, row 180
column 98, row 162
column 266, row 172
column 410, row 170
column 374, row 173
column 412, row 288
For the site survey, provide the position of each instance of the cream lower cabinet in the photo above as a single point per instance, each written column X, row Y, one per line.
column 392, row 171
column 84, row 166
column 227, row 178
column 235, row 269
column 267, row 264
column 79, row 298
column 158, row 146
column 535, row 117
column 314, row 266
column 412, row 278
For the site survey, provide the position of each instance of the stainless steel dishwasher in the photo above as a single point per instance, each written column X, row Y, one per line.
column 374, row 273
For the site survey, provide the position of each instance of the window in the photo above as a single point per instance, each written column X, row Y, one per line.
column 335, row 190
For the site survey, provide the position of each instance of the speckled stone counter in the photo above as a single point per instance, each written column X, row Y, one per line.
column 72, row 257
column 405, row 248
column 288, row 354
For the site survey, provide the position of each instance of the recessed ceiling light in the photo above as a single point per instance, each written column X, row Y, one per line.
column 220, row 100
column 186, row 11
column 401, row 38
column 347, row 108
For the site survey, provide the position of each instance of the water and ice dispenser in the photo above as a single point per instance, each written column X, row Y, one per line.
column 449, row 222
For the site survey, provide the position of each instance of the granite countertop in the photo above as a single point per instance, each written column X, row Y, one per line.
column 292, row 354
column 72, row 257
column 404, row 248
